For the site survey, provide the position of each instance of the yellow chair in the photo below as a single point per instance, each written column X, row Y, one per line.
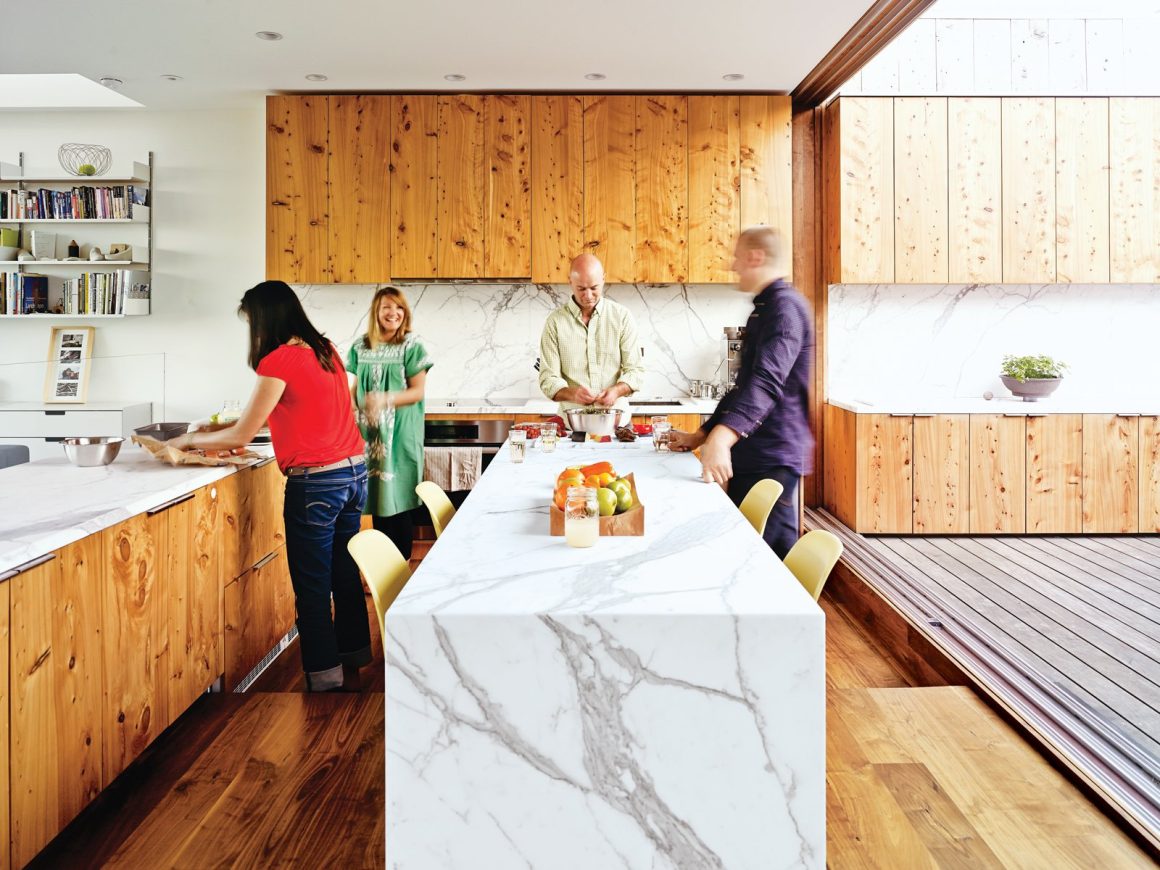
column 759, row 501
column 438, row 505
column 812, row 559
column 383, row 566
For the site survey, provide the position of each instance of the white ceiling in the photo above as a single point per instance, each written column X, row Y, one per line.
column 364, row 45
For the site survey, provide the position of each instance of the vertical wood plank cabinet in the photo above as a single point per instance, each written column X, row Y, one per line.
column 1081, row 190
column 662, row 189
column 557, row 149
column 359, row 196
column 974, row 170
column 1111, row 468
column 1134, row 124
column 1055, row 474
column 920, row 190
column 941, row 474
column 610, row 183
column 869, row 475
column 414, row 186
column 462, row 187
column 5, row 775
column 1028, row 189
column 507, row 250
column 297, row 229
column 714, row 186
column 1150, row 475
column 766, row 192
column 998, row 455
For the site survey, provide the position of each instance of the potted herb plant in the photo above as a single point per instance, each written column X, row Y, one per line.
column 1031, row 377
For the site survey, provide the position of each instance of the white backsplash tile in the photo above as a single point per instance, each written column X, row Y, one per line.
column 484, row 338
column 941, row 340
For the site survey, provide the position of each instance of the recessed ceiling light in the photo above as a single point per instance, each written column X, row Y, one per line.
column 268, row 35
column 595, row 77
column 315, row 77
column 455, row 77
column 111, row 83
column 170, row 77
column 733, row 77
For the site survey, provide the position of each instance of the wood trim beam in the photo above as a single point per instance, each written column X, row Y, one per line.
column 882, row 22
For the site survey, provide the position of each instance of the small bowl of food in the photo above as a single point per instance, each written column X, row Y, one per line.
column 87, row 452
column 532, row 430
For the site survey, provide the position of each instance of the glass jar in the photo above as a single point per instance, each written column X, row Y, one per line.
column 660, row 434
column 518, row 441
column 581, row 516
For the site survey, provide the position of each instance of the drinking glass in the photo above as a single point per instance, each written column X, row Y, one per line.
column 581, row 516
column 548, row 437
column 660, row 434
column 518, row 439
column 230, row 412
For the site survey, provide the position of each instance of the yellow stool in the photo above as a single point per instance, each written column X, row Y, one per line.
column 759, row 501
column 383, row 566
column 812, row 559
column 438, row 505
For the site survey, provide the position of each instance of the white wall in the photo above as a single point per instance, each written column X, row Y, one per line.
column 209, row 219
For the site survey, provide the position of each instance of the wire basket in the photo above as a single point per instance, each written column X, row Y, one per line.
column 77, row 159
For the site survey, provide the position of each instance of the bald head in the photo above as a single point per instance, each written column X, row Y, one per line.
column 586, row 275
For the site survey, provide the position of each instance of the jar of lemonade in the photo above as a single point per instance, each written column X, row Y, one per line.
column 581, row 516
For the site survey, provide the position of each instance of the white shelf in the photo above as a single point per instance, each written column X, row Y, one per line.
column 4, row 317
column 10, row 174
column 74, row 220
column 116, row 264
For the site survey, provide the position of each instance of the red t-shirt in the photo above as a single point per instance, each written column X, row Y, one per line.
column 313, row 423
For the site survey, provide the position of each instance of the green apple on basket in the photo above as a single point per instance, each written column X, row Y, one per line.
column 613, row 493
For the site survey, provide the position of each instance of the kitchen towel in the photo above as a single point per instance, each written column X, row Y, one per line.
column 452, row 468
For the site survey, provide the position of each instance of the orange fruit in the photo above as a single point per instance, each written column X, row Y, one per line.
column 592, row 480
column 607, row 478
column 570, row 478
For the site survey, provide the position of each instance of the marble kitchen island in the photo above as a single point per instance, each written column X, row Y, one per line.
column 652, row 702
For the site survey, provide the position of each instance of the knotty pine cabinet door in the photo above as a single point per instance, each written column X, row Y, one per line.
column 5, row 773
column 557, row 180
column 941, row 474
column 1111, row 469
column 1055, row 474
column 1150, row 475
column 998, row 473
column 56, row 693
column 297, row 184
column 258, row 610
column 885, row 474
column 359, row 189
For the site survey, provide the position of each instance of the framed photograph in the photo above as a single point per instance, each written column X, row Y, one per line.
column 70, row 359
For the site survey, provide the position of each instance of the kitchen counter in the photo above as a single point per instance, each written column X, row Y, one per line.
column 653, row 701
column 656, row 405
column 48, row 504
column 999, row 405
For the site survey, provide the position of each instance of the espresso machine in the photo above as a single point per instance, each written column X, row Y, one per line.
column 731, row 343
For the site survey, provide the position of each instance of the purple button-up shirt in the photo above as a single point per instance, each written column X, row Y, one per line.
column 769, row 406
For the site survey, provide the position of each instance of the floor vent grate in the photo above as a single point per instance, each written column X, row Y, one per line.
column 250, row 678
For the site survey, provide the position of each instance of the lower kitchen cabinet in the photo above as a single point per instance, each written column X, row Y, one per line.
column 1111, row 474
column 998, row 455
column 1150, row 475
column 5, row 780
column 869, row 472
column 258, row 610
column 251, row 516
column 1055, row 474
column 56, row 693
column 941, row 474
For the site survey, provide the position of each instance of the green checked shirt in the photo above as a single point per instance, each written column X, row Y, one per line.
column 598, row 355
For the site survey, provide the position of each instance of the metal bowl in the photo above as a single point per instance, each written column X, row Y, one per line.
column 88, row 452
column 598, row 421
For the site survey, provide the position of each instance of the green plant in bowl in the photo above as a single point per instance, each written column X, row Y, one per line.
column 1031, row 377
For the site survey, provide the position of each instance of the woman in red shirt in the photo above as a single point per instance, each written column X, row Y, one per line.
column 302, row 390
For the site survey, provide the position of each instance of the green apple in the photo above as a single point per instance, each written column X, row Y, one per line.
column 86, row 169
column 623, row 500
column 607, row 499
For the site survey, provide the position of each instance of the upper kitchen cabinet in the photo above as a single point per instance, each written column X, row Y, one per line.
column 662, row 189
column 557, row 176
column 360, row 188
column 414, row 185
column 767, row 169
column 714, row 186
column 1135, row 189
column 297, row 226
column 610, row 184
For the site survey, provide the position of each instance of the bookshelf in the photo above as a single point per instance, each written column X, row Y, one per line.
column 59, row 287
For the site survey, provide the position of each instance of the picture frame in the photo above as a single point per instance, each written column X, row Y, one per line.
column 70, row 361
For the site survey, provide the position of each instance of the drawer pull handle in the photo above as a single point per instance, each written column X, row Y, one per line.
column 264, row 561
column 171, row 503
column 54, row 413
column 265, row 461
column 27, row 566
column 55, row 440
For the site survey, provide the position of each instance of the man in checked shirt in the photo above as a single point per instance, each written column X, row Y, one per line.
column 589, row 350
column 761, row 428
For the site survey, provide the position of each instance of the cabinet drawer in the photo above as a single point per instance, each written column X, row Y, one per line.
column 58, row 424
column 38, row 448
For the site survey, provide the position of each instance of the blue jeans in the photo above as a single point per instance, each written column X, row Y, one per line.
column 322, row 513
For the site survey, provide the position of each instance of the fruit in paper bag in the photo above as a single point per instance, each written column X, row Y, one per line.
column 606, row 499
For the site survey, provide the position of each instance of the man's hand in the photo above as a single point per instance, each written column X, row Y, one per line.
column 580, row 395
column 683, row 442
column 608, row 397
column 717, row 456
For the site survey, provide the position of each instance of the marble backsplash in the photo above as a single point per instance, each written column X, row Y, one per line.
column 484, row 338
column 890, row 340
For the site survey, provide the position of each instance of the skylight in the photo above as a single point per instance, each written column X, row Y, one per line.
column 58, row 91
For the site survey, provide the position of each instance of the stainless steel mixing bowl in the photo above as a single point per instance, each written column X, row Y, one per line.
column 87, row 452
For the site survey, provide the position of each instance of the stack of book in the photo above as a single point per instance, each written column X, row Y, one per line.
column 80, row 203
column 23, row 294
column 104, row 292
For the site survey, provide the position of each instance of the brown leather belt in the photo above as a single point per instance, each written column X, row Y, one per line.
column 349, row 462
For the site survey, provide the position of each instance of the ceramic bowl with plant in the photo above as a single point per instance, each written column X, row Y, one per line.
column 1031, row 377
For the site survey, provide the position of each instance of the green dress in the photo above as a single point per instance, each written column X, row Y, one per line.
column 395, row 447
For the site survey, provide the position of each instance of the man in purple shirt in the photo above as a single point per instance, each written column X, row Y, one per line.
column 761, row 428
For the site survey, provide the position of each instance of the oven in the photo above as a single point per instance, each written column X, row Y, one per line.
column 488, row 435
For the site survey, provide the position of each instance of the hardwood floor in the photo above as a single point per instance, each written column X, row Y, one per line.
column 917, row 777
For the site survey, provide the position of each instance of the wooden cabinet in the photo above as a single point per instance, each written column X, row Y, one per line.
column 941, row 474
column 250, row 516
column 297, row 176
column 975, row 190
column 610, row 183
column 869, row 483
column 1081, row 190
column 1150, row 475
column 414, row 185
column 57, row 716
column 998, row 455
column 920, row 190
column 359, row 190
column 5, row 782
column 1111, row 457
column 662, row 189
column 714, row 186
column 557, row 177
column 507, row 214
column 1134, row 123
column 1055, row 474
column 258, row 610
column 1028, row 189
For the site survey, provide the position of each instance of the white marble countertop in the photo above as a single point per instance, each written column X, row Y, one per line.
column 48, row 504
column 999, row 405
column 667, row 405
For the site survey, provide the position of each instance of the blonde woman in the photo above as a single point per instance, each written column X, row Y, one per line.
column 390, row 365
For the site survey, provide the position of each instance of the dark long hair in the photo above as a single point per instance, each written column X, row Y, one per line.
column 276, row 317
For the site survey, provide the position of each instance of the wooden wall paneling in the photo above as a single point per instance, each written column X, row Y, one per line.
column 831, row 144
column 998, row 475
column 1134, row 126
column 134, row 635
column 840, row 469
column 610, row 184
column 56, row 694
column 462, row 186
column 941, row 474
column 662, row 188
column 6, row 850
column 767, row 166
column 920, row 190
column 297, row 226
column 414, row 186
column 1029, row 189
column 885, row 480
column 867, row 190
column 507, row 248
column 360, row 188
column 557, row 172
column 1111, row 474
column 1055, row 474
column 714, row 187
column 1081, row 190
column 807, row 270
column 1150, row 475
column 975, row 187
